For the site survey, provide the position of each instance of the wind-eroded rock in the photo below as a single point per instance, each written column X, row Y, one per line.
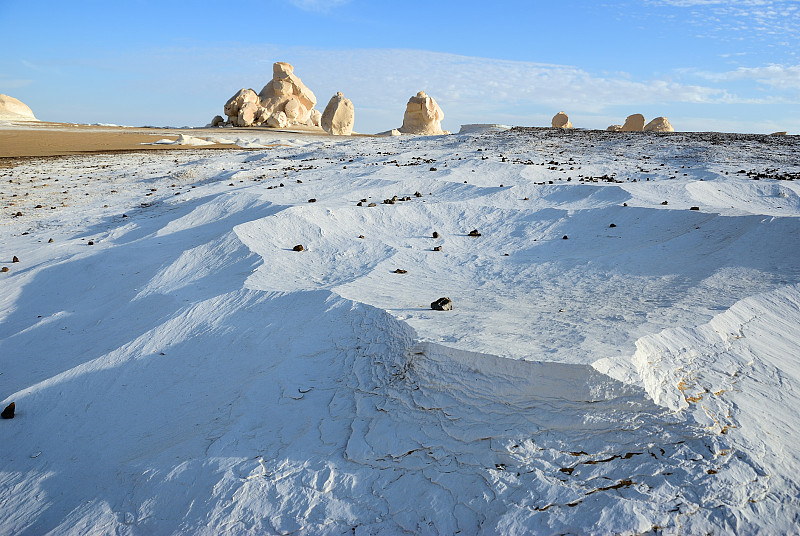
column 423, row 116
column 659, row 124
column 633, row 123
column 561, row 120
column 12, row 109
column 339, row 116
column 285, row 94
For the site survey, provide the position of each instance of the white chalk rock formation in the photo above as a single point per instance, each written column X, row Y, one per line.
column 339, row 116
column 278, row 120
column 235, row 104
column 423, row 116
column 659, row 124
column 614, row 128
column 633, row 123
column 316, row 118
column 285, row 94
column 561, row 120
column 12, row 109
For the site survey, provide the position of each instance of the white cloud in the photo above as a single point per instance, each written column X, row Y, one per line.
column 782, row 77
column 320, row 6
column 743, row 20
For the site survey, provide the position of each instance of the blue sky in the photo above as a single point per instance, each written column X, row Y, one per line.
column 705, row 64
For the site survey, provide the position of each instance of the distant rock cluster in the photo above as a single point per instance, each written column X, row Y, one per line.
column 12, row 109
column 635, row 123
column 283, row 102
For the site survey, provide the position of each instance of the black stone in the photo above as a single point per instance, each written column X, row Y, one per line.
column 442, row 304
column 8, row 413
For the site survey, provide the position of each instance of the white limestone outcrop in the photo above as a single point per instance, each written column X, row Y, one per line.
column 561, row 120
column 659, row 124
column 633, row 123
column 339, row 116
column 283, row 102
column 423, row 116
column 12, row 109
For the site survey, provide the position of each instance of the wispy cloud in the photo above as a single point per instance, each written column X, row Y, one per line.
column 319, row 6
column 777, row 21
column 13, row 83
column 783, row 77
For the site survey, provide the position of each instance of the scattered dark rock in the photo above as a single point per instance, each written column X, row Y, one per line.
column 90, row 242
column 665, row 203
column 437, row 248
column 565, row 237
column 361, row 236
column 50, row 241
column 124, row 215
column 417, row 194
column 281, row 185
column 442, row 304
column 401, row 271
column 299, row 181
column 15, row 259
column 363, row 200
column 474, row 232
column 18, row 214
column 433, row 169
column 4, row 269
column 435, row 234
column 694, row 208
column 526, row 199
column 8, row 413
column 359, row 204
column 372, row 205
column 613, row 225
column 298, row 247
column 312, row 200
column 624, row 204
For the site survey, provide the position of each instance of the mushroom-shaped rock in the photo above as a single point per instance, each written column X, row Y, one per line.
column 12, row 109
column 561, row 120
column 237, row 102
column 659, row 124
column 614, row 128
column 423, row 116
column 339, row 116
column 633, row 123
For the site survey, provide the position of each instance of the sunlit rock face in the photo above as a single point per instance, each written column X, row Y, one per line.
column 12, row 109
column 659, row 124
column 283, row 102
column 423, row 116
column 339, row 116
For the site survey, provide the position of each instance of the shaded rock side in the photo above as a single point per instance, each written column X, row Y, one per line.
column 561, row 120
column 633, row 123
column 339, row 116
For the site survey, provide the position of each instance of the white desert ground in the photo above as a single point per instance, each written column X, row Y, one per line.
column 622, row 357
